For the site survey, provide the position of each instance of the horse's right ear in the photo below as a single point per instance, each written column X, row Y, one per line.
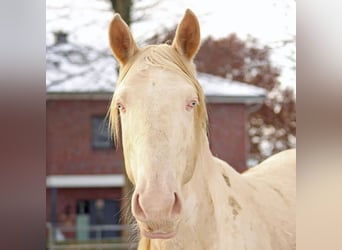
column 121, row 40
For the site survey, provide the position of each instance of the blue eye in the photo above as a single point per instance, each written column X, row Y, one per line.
column 191, row 104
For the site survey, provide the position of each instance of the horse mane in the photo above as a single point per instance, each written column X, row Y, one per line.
column 166, row 57
column 144, row 244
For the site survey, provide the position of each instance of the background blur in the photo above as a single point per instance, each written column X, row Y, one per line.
column 246, row 66
column 23, row 100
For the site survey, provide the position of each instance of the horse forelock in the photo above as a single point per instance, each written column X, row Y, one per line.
column 164, row 56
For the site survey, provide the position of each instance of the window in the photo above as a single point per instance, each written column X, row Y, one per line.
column 101, row 138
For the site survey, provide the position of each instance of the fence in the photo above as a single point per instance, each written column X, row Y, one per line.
column 58, row 239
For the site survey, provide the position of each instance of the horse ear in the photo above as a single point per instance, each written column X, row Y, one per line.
column 187, row 38
column 121, row 40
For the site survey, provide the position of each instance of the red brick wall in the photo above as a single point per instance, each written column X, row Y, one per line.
column 228, row 133
column 69, row 139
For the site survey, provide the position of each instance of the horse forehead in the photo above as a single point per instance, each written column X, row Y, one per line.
column 143, row 72
column 154, row 81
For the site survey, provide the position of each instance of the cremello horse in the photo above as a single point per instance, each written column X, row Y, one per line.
column 184, row 197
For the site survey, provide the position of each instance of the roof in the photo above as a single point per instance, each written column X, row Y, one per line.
column 218, row 89
column 85, row 181
column 75, row 71
column 96, row 75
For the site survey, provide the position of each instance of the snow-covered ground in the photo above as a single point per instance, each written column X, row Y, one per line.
column 86, row 21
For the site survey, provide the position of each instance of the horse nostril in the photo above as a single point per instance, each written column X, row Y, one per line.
column 177, row 206
column 154, row 207
column 137, row 209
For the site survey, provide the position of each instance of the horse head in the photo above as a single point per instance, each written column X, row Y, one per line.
column 158, row 112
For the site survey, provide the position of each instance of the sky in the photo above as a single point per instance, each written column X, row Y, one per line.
column 269, row 21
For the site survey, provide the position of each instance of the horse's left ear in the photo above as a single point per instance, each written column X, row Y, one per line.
column 187, row 38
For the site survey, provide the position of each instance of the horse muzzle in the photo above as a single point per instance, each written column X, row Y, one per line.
column 157, row 213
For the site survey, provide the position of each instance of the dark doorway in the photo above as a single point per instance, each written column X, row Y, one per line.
column 104, row 212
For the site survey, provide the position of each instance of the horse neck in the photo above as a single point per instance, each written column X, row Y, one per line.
column 213, row 192
column 211, row 203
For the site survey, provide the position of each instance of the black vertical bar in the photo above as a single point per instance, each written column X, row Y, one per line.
column 53, row 212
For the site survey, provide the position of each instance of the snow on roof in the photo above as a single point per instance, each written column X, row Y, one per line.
column 218, row 86
column 99, row 76
column 213, row 86
column 78, row 69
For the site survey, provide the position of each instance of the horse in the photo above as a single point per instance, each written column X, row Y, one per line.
column 184, row 197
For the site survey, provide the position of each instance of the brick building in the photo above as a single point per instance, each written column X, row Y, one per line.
column 85, row 172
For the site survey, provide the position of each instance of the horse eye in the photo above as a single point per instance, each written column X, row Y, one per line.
column 120, row 107
column 191, row 104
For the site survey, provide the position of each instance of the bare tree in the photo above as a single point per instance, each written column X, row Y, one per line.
column 123, row 7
